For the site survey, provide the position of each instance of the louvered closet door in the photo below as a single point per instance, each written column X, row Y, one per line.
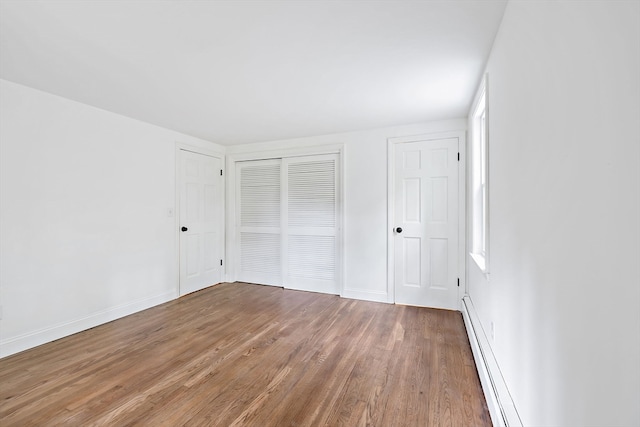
column 259, row 219
column 311, row 223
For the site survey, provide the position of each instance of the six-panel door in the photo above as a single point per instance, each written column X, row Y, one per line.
column 201, row 209
column 426, row 211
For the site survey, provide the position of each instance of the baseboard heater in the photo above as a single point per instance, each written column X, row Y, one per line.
column 501, row 408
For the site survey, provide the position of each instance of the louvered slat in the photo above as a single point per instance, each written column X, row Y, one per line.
column 260, row 196
column 312, row 194
column 260, row 253
column 312, row 257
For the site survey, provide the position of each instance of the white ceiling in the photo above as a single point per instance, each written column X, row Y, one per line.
column 243, row 71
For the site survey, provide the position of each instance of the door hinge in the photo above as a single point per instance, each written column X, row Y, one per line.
column 458, row 156
column 458, row 282
column 221, row 264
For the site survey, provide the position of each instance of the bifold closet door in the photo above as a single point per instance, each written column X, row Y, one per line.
column 311, row 223
column 259, row 221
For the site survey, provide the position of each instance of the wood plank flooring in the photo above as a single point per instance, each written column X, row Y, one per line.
column 238, row 354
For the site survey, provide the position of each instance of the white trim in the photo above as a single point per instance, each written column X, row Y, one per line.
column 391, row 266
column 230, row 223
column 178, row 171
column 231, row 195
column 42, row 336
column 501, row 407
column 391, row 142
column 200, row 150
column 462, row 216
column 341, row 219
column 286, row 152
column 365, row 295
column 481, row 259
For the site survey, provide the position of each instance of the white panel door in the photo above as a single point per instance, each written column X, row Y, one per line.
column 201, row 210
column 426, row 223
column 259, row 206
column 311, row 223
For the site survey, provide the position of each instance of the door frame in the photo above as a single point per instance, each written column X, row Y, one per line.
column 232, row 245
column 462, row 207
column 180, row 146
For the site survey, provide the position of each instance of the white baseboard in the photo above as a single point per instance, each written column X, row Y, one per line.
column 29, row 340
column 365, row 295
column 501, row 407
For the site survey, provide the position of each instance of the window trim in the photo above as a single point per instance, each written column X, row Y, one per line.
column 479, row 178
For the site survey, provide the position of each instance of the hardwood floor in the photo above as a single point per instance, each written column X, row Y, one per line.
column 249, row 355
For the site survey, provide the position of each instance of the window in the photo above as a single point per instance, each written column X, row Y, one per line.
column 480, row 179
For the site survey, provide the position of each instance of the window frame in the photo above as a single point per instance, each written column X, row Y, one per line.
column 479, row 178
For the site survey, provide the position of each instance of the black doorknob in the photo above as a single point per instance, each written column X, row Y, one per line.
column 399, row 230
column 184, row 229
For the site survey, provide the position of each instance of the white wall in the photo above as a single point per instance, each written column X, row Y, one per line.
column 84, row 200
column 564, row 287
column 365, row 187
